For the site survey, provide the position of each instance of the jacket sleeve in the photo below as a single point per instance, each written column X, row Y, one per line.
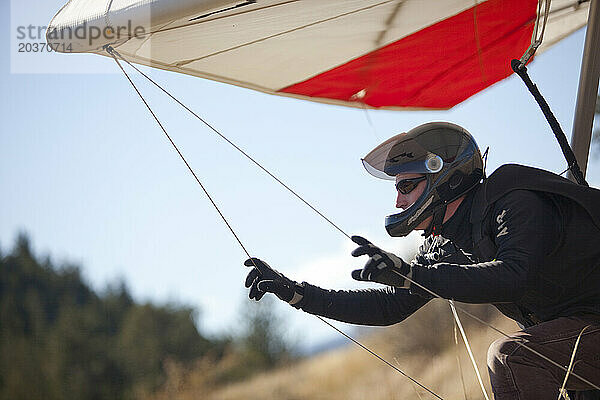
column 379, row 307
column 526, row 228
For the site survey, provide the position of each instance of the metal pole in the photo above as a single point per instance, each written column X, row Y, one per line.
column 588, row 89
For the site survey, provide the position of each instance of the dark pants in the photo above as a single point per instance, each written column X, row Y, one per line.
column 518, row 374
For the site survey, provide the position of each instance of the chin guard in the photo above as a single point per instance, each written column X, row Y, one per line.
column 445, row 153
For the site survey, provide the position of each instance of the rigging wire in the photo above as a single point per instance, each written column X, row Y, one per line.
column 235, row 146
column 521, row 341
column 182, row 157
column 413, row 385
column 460, row 370
column 370, row 122
column 379, row 357
column 110, row 51
column 359, row 97
column 492, row 327
column 469, row 351
column 562, row 392
column 538, row 35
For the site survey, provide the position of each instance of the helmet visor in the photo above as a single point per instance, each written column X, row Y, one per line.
column 399, row 155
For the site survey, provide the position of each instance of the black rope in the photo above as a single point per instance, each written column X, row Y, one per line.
column 572, row 164
column 111, row 51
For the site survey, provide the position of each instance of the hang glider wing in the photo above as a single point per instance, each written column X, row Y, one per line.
column 383, row 54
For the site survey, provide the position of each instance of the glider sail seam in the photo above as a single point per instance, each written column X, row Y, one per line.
column 111, row 52
column 114, row 54
column 393, row 51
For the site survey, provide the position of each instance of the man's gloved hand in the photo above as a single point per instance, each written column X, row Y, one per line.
column 382, row 267
column 262, row 278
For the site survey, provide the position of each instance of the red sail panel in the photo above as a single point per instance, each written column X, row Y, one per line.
column 438, row 66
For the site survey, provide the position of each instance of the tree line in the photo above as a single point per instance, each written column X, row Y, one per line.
column 59, row 339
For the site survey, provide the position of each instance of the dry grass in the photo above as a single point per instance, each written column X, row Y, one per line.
column 351, row 373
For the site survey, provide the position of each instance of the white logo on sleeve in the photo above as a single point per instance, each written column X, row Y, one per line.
column 502, row 229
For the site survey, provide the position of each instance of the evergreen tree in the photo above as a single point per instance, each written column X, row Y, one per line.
column 263, row 341
column 61, row 340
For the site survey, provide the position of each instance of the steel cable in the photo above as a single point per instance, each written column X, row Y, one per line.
column 110, row 51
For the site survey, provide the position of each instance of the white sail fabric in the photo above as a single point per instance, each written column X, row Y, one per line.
column 269, row 45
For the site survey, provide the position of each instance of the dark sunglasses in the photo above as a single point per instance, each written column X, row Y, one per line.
column 405, row 186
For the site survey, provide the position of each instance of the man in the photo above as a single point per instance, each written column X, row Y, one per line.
column 524, row 240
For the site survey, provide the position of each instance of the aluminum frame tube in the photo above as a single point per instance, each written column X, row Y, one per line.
column 588, row 89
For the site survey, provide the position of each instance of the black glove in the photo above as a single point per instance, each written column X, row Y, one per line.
column 262, row 278
column 382, row 267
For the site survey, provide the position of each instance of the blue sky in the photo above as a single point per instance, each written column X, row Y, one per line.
column 87, row 173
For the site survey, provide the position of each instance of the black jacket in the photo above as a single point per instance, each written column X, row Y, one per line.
column 526, row 240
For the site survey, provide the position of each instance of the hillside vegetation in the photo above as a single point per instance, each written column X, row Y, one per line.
column 59, row 339
column 423, row 347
